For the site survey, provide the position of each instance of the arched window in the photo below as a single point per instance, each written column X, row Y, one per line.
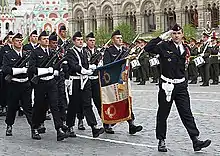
column 80, row 21
column 130, row 15
column 108, row 13
column 191, row 15
column 53, row 15
column 7, row 27
column 214, row 10
column 169, row 14
column 93, row 22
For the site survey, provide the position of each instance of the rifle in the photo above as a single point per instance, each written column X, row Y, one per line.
column 129, row 49
column 36, row 78
column 18, row 64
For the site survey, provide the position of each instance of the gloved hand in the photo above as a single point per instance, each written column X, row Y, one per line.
column 56, row 73
column 92, row 66
column 50, row 70
column 166, row 35
column 209, row 39
column 157, row 56
column 24, row 70
column 133, row 50
column 86, row 72
column 202, row 54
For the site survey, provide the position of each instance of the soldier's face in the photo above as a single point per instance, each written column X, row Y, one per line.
column 17, row 43
column 10, row 39
column 205, row 38
column 177, row 36
column 34, row 38
column 117, row 40
column 63, row 33
column 78, row 42
column 53, row 44
column 91, row 42
column 44, row 41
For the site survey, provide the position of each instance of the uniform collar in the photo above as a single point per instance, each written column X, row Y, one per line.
column 182, row 49
column 118, row 48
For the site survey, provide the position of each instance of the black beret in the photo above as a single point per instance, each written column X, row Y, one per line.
column 77, row 34
column 90, row 35
column 43, row 33
column 18, row 35
column 53, row 37
column 116, row 32
column 10, row 33
column 176, row 27
column 33, row 32
column 62, row 27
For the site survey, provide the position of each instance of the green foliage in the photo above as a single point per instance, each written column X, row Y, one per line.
column 102, row 36
column 157, row 33
column 127, row 31
column 190, row 31
column 25, row 40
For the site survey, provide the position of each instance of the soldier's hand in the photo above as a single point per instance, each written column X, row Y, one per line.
column 166, row 35
column 50, row 70
column 92, row 66
column 56, row 73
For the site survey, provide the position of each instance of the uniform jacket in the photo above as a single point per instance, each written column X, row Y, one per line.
column 5, row 49
column 214, row 51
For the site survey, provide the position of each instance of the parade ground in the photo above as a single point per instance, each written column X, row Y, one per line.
column 205, row 103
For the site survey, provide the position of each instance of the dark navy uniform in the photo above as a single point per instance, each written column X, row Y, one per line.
column 193, row 70
column 214, row 67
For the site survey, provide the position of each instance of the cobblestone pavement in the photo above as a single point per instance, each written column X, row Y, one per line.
column 205, row 102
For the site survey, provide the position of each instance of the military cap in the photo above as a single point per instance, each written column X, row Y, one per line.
column 90, row 35
column 62, row 27
column 33, row 32
column 116, row 32
column 77, row 34
column 43, row 33
column 18, row 35
column 206, row 34
column 10, row 33
column 53, row 37
column 176, row 27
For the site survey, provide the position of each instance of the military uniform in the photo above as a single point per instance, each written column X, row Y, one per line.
column 193, row 70
column 214, row 67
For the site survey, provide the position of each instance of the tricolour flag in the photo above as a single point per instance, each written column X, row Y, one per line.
column 115, row 92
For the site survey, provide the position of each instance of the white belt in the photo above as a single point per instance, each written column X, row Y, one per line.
column 47, row 78
column 78, row 77
column 174, row 81
column 83, row 79
column 20, row 80
column 93, row 77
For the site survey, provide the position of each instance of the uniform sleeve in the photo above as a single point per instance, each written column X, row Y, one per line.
column 32, row 64
column 6, row 68
column 106, row 57
column 72, row 63
column 215, row 51
column 208, row 52
column 153, row 46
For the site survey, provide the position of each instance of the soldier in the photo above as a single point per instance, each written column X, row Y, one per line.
column 193, row 71
column 5, row 49
column 45, row 87
column 81, row 87
column 113, row 53
column 205, row 52
column 33, row 44
column 214, row 68
column 19, row 88
column 62, row 35
column 173, row 86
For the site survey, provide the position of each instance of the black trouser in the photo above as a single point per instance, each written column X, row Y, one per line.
column 155, row 72
column 215, row 72
column 144, row 72
column 3, row 91
column 18, row 91
column 181, row 97
column 80, row 98
column 41, row 90
column 62, row 101
column 205, row 73
column 193, row 71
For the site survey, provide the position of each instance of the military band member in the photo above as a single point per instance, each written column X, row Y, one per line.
column 214, row 67
column 81, row 87
column 33, row 44
column 193, row 70
column 19, row 88
column 113, row 53
column 46, row 87
column 173, row 86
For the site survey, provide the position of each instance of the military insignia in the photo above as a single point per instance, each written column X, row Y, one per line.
column 169, row 59
column 169, row 52
column 107, row 77
column 41, row 56
column 6, row 52
column 13, row 59
column 111, row 111
column 114, row 55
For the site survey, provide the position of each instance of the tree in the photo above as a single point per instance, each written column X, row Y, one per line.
column 190, row 31
column 102, row 36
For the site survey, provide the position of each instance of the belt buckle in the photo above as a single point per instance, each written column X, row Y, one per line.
column 175, row 80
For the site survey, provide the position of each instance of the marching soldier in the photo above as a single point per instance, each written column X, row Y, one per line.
column 173, row 86
column 33, row 44
column 193, row 71
column 81, row 87
column 46, row 87
column 113, row 53
column 62, row 35
column 19, row 88
column 214, row 68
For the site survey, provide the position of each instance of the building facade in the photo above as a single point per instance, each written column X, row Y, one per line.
column 144, row 16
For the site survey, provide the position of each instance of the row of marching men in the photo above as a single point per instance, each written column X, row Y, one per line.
column 58, row 72
column 203, row 61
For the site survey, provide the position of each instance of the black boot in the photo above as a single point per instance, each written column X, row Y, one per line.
column 9, row 131
column 108, row 129
column 96, row 131
column 65, row 127
column 134, row 129
column 80, row 125
column 20, row 112
column 35, row 135
column 162, row 146
column 71, row 132
column 193, row 82
column 61, row 135
column 198, row 144
column 41, row 129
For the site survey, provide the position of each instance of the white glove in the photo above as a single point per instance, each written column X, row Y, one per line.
column 56, row 73
column 209, row 39
column 202, row 54
column 16, row 71
column 133, row 50
column 65, row 62
column 50, row 70
column 166, row 35
column 157, row 56
column 86, row 72
column 92, row 66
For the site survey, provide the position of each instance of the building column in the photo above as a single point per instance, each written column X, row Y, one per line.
column 139, row 24
column 159, row 20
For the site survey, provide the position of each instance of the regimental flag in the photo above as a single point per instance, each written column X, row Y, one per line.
column 115, row 92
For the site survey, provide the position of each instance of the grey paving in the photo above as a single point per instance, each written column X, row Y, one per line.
column 205, row 103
